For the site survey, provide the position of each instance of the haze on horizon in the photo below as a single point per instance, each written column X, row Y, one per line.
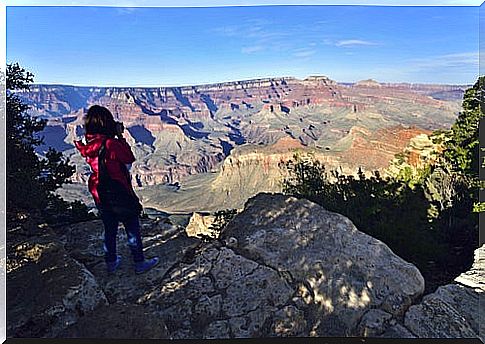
column 155, row 47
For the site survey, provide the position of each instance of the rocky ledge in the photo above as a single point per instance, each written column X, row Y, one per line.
column 281, row 267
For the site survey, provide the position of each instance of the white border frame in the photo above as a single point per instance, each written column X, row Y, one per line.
column 157, row 3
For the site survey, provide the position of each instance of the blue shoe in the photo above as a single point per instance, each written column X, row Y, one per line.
column 112, row 266
column 146, row 265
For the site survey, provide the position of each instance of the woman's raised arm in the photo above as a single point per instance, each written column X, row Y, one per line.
column 120, row 150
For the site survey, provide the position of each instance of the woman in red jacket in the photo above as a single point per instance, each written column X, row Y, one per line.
column 100, row 127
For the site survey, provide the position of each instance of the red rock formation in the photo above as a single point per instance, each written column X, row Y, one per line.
column 374, row 150
column 286, row 143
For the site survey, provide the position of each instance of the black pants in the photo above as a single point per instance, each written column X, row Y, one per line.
column 132, row 227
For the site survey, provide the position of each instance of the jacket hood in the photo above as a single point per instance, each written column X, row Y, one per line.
column 93, row 145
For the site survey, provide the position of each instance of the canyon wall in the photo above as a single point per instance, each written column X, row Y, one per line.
column 244, row 130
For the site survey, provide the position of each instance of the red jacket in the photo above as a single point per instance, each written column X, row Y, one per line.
column 118, row 152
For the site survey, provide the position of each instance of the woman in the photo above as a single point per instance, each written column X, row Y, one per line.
column 100, row 127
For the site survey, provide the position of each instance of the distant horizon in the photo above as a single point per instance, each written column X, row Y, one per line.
column 246, row 80
column 149, row 47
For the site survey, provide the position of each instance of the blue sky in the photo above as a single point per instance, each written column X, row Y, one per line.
column 109, row 46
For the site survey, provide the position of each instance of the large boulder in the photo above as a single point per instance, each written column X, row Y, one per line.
column 289, row 268
column 339, row 271
column 453, row 310
column 47, row 289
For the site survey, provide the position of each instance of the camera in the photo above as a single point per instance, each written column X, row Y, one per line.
column 119, row 127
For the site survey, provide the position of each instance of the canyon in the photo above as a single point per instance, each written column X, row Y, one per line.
column 210, row 147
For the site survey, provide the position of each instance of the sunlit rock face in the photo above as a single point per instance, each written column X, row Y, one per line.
column 200, row 225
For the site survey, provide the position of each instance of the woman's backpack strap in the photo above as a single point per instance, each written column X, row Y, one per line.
column 103, row 172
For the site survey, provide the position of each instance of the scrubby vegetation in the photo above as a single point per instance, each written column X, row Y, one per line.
column 428, row 216
column 221, row 219
column 30, row 179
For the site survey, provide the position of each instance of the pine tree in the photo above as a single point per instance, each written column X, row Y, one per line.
column 30, row 179
column 461, row 142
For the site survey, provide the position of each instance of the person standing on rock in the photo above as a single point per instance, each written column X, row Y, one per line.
column 104, row 138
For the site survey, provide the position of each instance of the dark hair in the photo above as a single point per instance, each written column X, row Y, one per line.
column 99, row 120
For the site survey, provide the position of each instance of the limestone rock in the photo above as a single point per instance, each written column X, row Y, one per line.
column 435, row 318
column 475, row 277
column 200, row 225
column 220, row 291
column 121, row 321
column 339, row 272
column 49, row 290
column 453, row 311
